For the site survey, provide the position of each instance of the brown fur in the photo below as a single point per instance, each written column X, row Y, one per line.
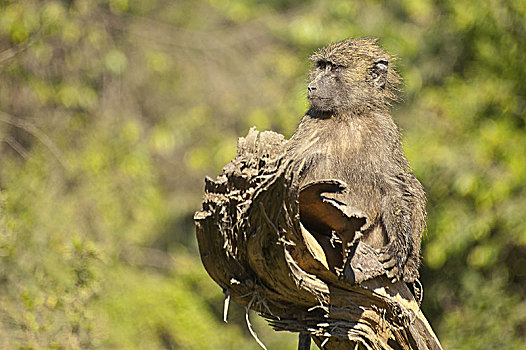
column 349, row 134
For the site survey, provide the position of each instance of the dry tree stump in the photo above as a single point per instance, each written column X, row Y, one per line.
column 254, row 243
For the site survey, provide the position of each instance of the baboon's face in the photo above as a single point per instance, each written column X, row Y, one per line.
column 349, row 75
column 326, row 89
column 335, row 86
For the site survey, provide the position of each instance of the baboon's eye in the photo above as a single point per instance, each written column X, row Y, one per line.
column 322, row 65
column 334, row 67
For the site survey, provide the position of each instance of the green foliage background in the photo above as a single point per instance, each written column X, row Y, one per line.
column 113, row 111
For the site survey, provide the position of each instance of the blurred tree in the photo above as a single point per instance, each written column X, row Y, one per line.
column 112, row 112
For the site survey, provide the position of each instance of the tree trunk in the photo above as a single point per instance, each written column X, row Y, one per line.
column 254, row 244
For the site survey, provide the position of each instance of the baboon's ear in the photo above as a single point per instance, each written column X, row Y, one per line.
column 379, row 74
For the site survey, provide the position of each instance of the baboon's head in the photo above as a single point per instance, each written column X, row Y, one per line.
column 352, row 74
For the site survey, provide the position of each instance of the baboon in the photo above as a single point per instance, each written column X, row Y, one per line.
column 349, row 134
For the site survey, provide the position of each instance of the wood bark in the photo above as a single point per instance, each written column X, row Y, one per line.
column 253, row 243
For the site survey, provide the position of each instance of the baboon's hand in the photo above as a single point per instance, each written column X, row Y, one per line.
column 411, row 268
column 393, row 258
column 394, row 255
